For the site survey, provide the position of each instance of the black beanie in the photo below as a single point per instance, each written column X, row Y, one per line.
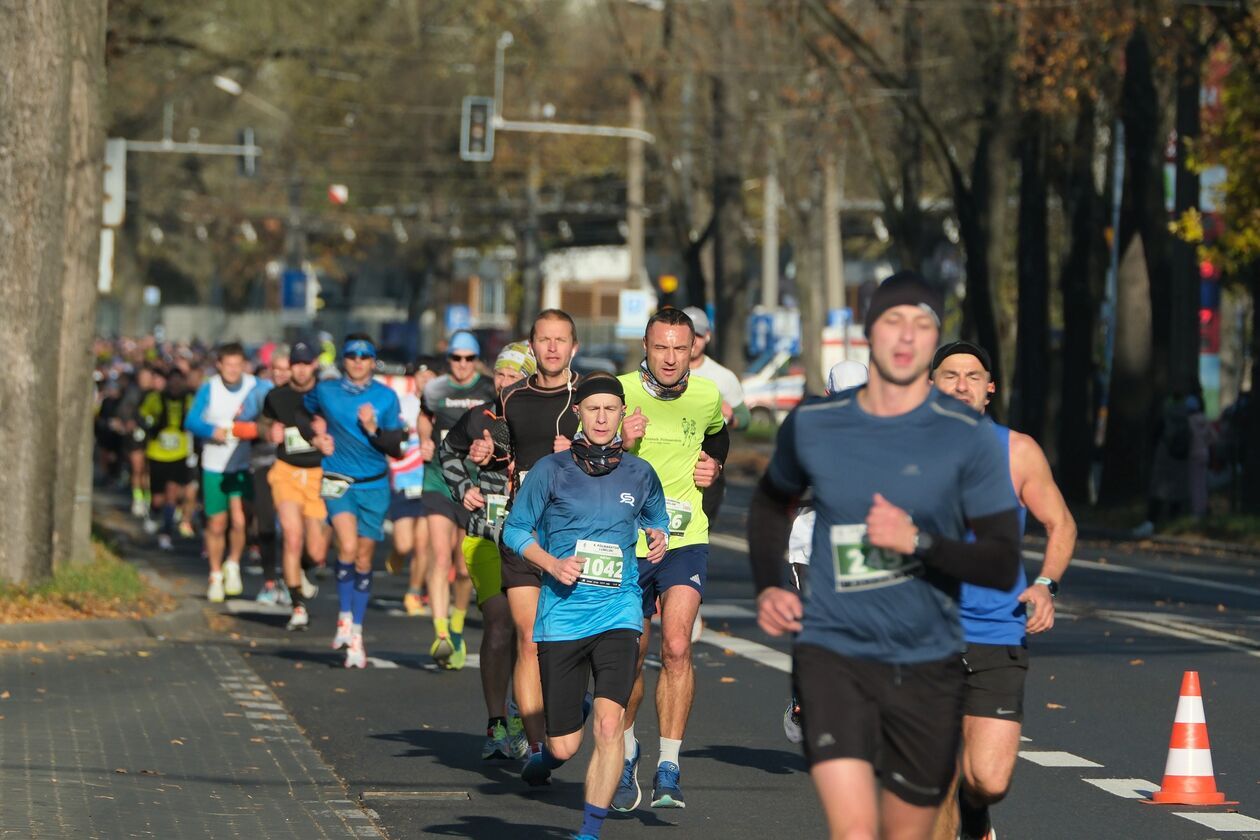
column 599, row 383
column 904, row 287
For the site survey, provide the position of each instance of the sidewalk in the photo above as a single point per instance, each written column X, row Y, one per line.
column 153, row 737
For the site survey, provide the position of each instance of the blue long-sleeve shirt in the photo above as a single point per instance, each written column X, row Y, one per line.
column 338, row 401
column 568, row 512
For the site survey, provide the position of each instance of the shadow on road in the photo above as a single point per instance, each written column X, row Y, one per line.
column 497, row 828
column 779, row 762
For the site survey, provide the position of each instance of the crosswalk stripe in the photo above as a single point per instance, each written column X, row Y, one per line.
column 1125, row 788
column 1056, row 758
column 758, row 653
column 1221, row 822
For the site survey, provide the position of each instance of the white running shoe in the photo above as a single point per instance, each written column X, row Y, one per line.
column 151, row 526
column 215, row 593
column 164, row 542
column 309, row 590
column 299, row 620
column 138, row 507
column 356, row 656
column 344, row 635
column 232, row 578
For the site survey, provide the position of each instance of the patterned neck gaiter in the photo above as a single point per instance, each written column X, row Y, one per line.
column 595, row 460
column 656, row 389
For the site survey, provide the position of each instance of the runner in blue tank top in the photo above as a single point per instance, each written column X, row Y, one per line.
column 995, row 621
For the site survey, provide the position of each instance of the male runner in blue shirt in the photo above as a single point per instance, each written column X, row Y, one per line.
column 578, row 520
column 363, row 425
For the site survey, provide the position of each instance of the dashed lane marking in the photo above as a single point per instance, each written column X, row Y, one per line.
column 1150, row 573
column 1163, row 626
column 1221, row 822
column 1125, row 788
column 1056, row 758
column 758, row 653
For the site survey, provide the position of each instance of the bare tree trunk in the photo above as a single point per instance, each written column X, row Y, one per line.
column 1076, row 284
column 1184, row 274
column 730, row 272
column 34, row 132
column 806, row 220
column 1127, row 460
column 1031, row 383
column 72, row 512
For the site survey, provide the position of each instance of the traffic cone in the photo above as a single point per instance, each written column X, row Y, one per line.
column 1188, row 776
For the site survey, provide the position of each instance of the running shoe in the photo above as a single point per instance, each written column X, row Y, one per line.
column 497, row 746
column 585, row 837
column 459, row 657
column 415, row 605
column 151, row 526
column 309, row 590
column 628, row 794
column 536, row 772
column 164, row 542
column 187, row 531
column 215, row 593
column 269, row 594
column 666, row 791
column 792, row 722
column 442, row 651
column 516, row 737
column 232, row 578
column 138, row 507
column 299, row 620
column 356, row 656
column 344, row 633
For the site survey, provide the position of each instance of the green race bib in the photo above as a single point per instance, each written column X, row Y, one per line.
column 859, row 565
column 495, row 503
column 679, row 516
column 601, row 563
column 294, row 443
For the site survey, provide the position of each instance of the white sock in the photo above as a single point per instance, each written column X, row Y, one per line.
column 356, row 630
column 630, row 741
column 669, row 751
column 345, row 616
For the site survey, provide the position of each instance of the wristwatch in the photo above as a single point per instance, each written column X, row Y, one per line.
column 923, row 543
column 1049, row 583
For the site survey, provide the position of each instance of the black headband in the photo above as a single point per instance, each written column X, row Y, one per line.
column 592, row 385
column 966, row 347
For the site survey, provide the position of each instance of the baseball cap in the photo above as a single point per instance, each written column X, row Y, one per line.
column 518, row 357
column 303, row 353
column 699, row 319
column 464, row 342
column 845, row 375
column 904, row 288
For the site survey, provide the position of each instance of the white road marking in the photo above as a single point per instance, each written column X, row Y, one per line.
column 1125, row 788
column 240, row 606
column 715, row 611
column 1168, row 627
column 1056, row 758
column 1148, row 573
column 1221, row 822
column 758, row 653
column 1024, row 738
column 377, row 662
column 728, row 541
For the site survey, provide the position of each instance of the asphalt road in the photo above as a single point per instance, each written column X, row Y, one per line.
column 1102, row 693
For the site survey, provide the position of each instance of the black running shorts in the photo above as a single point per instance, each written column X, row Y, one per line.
column 162, row 473
column 905, row 720
column 995, row 681
column 517, row 571
column 446, row 507
column 566, row 668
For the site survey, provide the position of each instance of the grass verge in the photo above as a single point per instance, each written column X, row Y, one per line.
column 104, row 587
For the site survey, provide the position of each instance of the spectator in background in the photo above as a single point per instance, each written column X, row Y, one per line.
column 1202, row 437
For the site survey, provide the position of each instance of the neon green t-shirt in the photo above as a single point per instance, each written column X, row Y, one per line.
column 671, row 445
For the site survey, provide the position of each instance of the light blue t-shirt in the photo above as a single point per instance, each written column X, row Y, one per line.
column 338, row 401
column 559, row 505
column 940, row 464
column 996, row 616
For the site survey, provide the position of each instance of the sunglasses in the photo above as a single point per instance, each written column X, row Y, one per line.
column 359, row 356
column 462, row 358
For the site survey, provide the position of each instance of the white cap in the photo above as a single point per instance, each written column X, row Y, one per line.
column 845, row 375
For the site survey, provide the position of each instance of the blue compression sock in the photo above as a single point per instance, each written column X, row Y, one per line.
column 550, row 760
column 592, row 819
column 362, row 594
column 345, row 585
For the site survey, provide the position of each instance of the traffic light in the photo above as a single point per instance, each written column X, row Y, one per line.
column 246, row 162
column 476, row 133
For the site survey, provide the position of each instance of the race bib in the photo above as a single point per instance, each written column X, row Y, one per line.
column 679, row 516
column 413, row 491
column 859, row 565
column 170, row 441
column 520, row 479
column 294, row 443
column 601, row 563
column 333, row 488
column 495, row 503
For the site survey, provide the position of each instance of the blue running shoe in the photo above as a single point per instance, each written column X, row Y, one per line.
column 535, row 772
column 628, row 794
column 666, row 792
column 585, row 837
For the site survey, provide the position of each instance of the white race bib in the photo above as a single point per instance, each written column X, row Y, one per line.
column 601, row 563
column 294, row 443
column 333, row 488
column 170, row 441
column 859, row 565
column 413, row 491
column 679, row 516
column 495, row 503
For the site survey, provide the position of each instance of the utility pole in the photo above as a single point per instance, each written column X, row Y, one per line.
column 634, row 194
column 770, row 226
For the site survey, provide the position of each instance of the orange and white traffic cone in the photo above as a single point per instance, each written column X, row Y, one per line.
column 1188, row 775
